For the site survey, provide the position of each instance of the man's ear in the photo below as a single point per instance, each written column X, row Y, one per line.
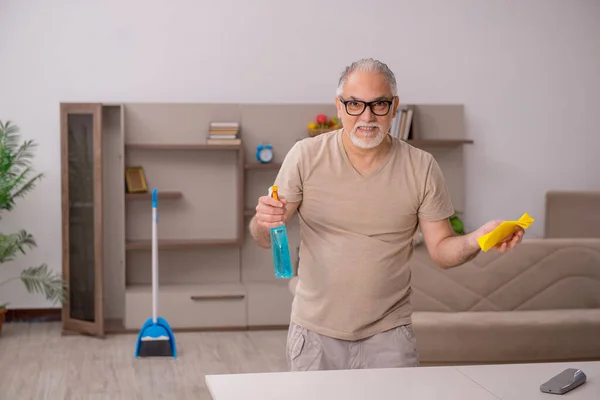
column 338, row 106
column 396, row 104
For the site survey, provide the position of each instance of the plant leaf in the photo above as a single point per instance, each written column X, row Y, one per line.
column 16, row 169
column 41, row 280
column 11, row 244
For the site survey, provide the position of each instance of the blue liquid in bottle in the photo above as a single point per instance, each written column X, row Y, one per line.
column 280, row 249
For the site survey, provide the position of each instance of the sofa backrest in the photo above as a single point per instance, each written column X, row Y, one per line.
column 539, row 274
column 572, row 214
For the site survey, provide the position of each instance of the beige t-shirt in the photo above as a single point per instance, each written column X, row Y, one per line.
column 356, row 233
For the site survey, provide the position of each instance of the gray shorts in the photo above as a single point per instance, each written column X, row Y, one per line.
column 308, row 350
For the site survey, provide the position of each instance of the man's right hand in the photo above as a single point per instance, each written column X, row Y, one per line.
column 270, row 212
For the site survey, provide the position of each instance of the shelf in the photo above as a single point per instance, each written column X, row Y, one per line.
column 258, row 165
column 158, row 146
column 198, row 291
column 175, row 244
column 438, row 142
column 148, row 196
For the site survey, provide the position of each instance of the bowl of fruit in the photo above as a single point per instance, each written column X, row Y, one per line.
column 323, row 124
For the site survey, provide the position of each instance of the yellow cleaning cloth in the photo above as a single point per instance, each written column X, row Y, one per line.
column 502, row 231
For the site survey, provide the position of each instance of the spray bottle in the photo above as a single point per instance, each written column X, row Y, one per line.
column 280, row 249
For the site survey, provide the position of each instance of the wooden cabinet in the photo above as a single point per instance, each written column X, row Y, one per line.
column 92, row 185
column 81, row 150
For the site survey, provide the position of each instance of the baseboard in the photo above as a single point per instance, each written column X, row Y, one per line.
column 33, row 315
column 116, row 326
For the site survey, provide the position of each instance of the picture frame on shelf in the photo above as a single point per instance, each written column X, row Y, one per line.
column 136, row 180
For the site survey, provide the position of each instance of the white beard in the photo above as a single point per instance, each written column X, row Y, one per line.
column 373, row 139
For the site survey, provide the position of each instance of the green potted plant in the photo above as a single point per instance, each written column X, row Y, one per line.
column 16, row 180
column 457, row 223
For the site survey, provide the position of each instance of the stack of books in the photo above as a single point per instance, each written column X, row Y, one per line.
column 224, row 133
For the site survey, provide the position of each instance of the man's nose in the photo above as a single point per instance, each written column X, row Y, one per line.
column 367, row 115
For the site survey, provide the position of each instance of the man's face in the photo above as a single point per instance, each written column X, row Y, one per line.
column 366, row 129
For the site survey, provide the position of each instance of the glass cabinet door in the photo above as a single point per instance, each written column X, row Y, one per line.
column 81, row 155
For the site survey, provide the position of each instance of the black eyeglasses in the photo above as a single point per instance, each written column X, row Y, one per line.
column 357, row 107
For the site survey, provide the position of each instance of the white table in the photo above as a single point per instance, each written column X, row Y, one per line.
column 522, row 381
column 514, row 381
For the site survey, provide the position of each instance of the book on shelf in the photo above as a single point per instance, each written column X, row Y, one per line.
column 224, row 133
column 401, row 126
column 236, row 142
column 225, row 125
column 218, row 136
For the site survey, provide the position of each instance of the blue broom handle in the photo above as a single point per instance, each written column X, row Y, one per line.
column 154, row 256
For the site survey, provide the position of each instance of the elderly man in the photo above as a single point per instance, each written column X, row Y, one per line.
column 361, row 194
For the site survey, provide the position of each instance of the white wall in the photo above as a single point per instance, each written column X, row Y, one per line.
column 528, row 73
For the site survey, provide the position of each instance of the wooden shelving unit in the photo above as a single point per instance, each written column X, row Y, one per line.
column 212, row 276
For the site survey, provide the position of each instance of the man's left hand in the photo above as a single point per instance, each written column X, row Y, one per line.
column 508, row 243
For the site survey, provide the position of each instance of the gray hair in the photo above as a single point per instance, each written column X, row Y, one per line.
column 368, row 65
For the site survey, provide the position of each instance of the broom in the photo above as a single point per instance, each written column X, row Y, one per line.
column 156, row 336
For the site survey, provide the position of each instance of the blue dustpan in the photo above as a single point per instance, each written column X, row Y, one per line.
column 156, row 337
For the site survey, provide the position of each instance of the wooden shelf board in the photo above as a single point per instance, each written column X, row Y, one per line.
column 175, row 244
column 224, row 289
column 439, row 142
column 257, row 165
column 159, row 146
column 167, row 194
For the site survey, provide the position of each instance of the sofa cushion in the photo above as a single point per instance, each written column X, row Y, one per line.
column 507, row 336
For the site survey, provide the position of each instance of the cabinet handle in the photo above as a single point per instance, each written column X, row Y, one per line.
column 218, row 297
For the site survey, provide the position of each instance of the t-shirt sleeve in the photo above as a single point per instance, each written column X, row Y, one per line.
column 289, row 177
column 436, row 203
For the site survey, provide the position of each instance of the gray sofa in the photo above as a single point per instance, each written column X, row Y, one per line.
column 538, row 302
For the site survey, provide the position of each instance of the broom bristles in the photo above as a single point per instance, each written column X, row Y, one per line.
column 155, row 347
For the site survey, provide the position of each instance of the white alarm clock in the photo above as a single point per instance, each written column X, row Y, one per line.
column 264, row 153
